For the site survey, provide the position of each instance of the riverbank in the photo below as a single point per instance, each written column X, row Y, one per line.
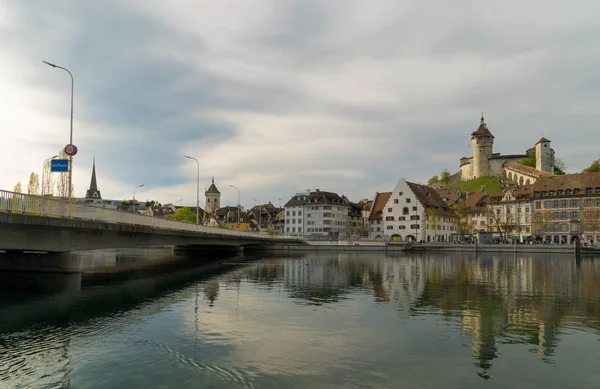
column 319, row 246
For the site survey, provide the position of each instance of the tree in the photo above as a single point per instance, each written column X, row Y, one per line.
column 153, row 203
column 17, row 187
column 48, row 180
column 559, row 167
column 529, row 160
column 445, row 177
column 433, row 221
column 504, row 223
column 34, row 184
column 542, row 222
column 462, row 224
column 593, row 168
column 433, row 180
column 183, row 214
column 62, row 185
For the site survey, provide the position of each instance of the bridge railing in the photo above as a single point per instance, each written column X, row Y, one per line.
column 51, row 207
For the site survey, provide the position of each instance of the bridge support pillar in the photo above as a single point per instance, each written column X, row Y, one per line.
column 40, row 262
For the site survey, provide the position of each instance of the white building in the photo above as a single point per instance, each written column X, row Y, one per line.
column 317, row 213
column 294, row 220
column 412, row 212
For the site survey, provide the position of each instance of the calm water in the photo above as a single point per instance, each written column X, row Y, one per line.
column 315, row 321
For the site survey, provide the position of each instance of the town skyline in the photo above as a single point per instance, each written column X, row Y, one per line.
column 285, row 98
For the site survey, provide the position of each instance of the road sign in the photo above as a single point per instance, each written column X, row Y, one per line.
column 59, row 165
column 70, row 149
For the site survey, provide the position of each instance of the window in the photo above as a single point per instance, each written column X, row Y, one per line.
column 389, row 209
column 401, row 218
column 414, row 208
column 208, row 200
column 402, row 227
column 293, row 221
column 293, row 229
column 559, row 192
column 396, row 201
column 538, row 205
column 405, row 211
column 401, row 193
column 389, row 218
column 589, row 191
column 299, row 213
column 293, row 213
column 299, row 229
column 576, row 191
column 287, row 229
column 415, row 217
column 407, row 200
column 309, row 215
column 574, row 203
column 390, row 227
column 551, row 193
column 574, row 214
column 287, row 213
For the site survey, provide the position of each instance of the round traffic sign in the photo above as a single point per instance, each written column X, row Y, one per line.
column 70, row 149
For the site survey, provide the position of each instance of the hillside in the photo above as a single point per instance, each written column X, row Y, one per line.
column 491, row 185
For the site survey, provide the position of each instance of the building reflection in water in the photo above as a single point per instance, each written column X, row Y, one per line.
column 495, row 300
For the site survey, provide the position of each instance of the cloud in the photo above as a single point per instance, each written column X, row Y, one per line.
column 291, row 94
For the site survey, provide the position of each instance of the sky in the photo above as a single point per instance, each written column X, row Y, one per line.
column 286, row 95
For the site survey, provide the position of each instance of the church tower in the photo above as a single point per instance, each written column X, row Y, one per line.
column 213, row 198
column 483, row 144
column 93, row 192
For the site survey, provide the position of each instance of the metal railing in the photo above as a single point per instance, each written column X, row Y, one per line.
column 50, row 207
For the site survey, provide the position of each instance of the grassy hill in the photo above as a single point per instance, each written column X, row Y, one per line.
column 491, row 185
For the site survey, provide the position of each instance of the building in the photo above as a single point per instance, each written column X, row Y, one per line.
column 485, row 162
column 294, row 220
column 376, row 229
column 365, row 212
column 317, row 213
column 566, row 208
column 263, row 216
column 509, row 214
column 93, row 192
column 233, row 218
column 213, row 199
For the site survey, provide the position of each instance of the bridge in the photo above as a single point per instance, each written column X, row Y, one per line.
column 31, row 223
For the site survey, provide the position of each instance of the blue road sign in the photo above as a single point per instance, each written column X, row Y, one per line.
column 59, row 165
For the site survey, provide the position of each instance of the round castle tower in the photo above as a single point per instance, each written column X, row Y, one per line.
column 483, row 144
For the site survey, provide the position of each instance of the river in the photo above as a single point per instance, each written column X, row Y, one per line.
column 332, row 320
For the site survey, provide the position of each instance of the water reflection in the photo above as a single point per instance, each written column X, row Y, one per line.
column 345, row 319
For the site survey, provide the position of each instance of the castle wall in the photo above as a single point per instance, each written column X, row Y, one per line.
column 466, row 171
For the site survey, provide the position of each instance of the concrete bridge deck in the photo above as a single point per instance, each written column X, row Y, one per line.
column 34, row 223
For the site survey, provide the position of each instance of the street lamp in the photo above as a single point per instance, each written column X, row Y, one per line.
column 139, row 186
column 44, row 171
column 197, row 189
column 71, row 130
column 238, row 204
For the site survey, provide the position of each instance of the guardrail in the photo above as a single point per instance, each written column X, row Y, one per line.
column 50, row 207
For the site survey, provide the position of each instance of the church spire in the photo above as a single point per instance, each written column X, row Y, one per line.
column 93, row 192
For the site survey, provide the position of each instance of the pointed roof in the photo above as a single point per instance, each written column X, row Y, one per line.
column 543, row 140
column 93, row 192
column 482, row 130
column 212, row 189
column 379, row 203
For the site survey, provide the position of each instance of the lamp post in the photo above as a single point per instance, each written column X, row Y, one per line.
column 238, row 204
column 139, row 186
column 44, row 171
column 197, row 189
column 71, row 128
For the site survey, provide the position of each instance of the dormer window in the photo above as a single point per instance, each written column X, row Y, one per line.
column 536, row 194
column 543, row 193
column 589, row 191
column 576, row 191
column 568, row 192
column 559, row 192
column 551, row 193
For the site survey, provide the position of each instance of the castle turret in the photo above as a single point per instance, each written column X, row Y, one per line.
column 213, row 198
column 483, row 144
column 544, row 156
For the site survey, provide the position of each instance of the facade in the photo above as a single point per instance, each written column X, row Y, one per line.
column 485, row 162
column 327, row 214
column 376, row 228
column 294, row 219
column 213, row 199
column 228, row 217
column 509, row 214
column 412, row 212
column 317, row 213
column 566, row 208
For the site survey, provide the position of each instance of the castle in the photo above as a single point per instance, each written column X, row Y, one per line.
column 485, row 162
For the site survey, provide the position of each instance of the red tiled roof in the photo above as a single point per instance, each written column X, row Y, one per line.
column 379, row 203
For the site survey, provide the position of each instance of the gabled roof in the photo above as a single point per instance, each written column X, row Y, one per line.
column 476, row 200
column 379, row 203
column 542, row 140
column 429, row 198
column 449, row 195
column 212, row 189
column 322, row 197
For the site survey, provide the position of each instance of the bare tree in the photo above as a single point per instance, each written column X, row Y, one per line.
column 33, row 186
column 62, row 185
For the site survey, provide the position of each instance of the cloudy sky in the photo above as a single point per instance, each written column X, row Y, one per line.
column 277, row 96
